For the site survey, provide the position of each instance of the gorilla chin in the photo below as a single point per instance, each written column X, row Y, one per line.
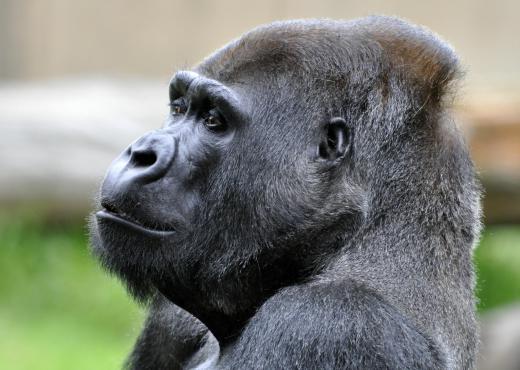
column 124, row 246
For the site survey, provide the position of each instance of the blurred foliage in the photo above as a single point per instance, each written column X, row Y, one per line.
column 498, row 266
column 59, row 310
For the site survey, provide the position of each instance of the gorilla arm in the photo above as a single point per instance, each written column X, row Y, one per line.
column 340, row 325
column 171, row 339
column 317, row 325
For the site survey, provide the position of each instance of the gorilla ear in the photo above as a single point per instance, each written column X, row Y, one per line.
column 336, row 141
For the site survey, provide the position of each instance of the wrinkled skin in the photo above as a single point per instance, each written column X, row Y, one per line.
column 307, row 204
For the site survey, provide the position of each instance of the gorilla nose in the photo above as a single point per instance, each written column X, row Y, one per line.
column 143, row 157
column 146, row 160
column 150, row 156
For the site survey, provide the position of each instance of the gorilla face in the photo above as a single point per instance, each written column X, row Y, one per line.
column 211, row 208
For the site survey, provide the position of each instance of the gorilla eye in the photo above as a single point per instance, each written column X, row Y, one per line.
column 214, row 122
column 179, row 106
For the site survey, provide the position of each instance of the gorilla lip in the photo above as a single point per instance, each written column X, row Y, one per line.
column 131, row 224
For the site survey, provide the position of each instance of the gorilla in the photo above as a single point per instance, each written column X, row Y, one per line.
column 308, row 204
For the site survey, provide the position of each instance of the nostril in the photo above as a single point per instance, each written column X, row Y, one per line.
column 144, row 158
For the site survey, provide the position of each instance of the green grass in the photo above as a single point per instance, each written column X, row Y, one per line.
column 59, row 310
column 498, row 266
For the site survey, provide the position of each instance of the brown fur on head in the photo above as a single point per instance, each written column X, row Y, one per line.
column 413, row 52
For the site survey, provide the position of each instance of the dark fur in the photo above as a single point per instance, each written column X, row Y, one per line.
column 292, row 262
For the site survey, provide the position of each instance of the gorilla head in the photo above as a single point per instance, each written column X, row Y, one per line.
column 280, row 151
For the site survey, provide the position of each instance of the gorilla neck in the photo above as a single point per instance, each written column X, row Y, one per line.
column 225, row 327
column 226, row 315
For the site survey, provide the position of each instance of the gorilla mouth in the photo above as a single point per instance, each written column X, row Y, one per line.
column 110, row 214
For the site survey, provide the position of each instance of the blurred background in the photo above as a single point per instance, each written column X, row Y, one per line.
column 80, row 79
